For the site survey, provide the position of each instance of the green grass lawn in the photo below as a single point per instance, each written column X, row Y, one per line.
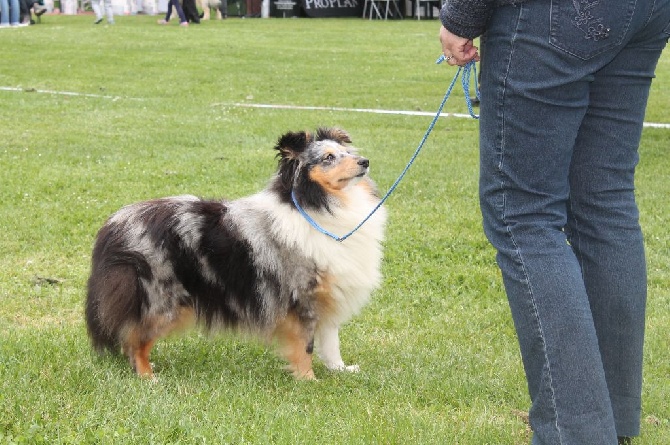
column 155, row 114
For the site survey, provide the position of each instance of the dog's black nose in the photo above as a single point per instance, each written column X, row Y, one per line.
column 364, row 162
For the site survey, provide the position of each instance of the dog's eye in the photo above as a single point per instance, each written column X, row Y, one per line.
column 329, row 157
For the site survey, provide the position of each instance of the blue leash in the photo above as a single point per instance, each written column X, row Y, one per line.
column 467, row 69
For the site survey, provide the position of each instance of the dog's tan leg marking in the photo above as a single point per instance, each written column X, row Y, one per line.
column 141, row 338
column 293, row 346
column 138, row 351
column 142, row 364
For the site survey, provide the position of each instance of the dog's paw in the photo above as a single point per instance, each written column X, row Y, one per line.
column 309, row 375
column 341, row 367
column 300, row 374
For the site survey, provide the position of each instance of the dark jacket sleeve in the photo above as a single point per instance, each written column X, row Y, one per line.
column 466, row 18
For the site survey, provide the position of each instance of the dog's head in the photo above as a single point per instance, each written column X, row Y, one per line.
column 318, row 166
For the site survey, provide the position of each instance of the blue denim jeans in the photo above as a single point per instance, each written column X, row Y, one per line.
column 9, row 12
column 564, row 89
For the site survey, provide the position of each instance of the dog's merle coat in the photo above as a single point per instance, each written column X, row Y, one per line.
column 253, row 264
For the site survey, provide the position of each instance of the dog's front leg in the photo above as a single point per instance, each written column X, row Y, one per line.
column 328, row 348
column 295, row 334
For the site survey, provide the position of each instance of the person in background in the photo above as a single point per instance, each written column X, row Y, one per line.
column 191, row 11
column 180, row 12
column 564, row 88
column 223, row 9
column 25, row 6
column 98, row 6
column 253, row 9
column 9, row 13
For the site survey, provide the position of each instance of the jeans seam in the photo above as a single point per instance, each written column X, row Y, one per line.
column 508, row 229
column 651, row 13
column 519, row 256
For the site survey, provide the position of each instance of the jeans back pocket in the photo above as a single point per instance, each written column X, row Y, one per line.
column 586, row 28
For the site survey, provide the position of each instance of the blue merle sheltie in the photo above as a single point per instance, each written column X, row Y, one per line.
column 252, row 265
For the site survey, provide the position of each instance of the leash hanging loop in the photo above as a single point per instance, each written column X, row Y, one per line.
column 466, row 88
column 465, row 81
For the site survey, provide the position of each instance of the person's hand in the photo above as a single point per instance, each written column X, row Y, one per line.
column 457, row 50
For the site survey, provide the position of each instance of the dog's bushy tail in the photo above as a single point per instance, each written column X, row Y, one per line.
column 110, row 306
column 101, row 339
column 115, row 295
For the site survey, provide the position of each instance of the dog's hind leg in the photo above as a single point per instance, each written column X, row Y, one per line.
column 296, row 345
column 137, row 347
column 140, row 338
column 141, row 359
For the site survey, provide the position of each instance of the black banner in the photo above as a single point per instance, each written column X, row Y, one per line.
column 332, row 8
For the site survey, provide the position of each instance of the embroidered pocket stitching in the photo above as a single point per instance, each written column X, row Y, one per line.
column 591, row 26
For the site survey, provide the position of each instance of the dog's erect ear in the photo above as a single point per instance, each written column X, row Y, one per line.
column 290, row 145
column 289, row 148
column 334, row 134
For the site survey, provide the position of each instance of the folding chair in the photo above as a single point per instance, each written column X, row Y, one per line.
column 428, row 6
column 375, row 7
